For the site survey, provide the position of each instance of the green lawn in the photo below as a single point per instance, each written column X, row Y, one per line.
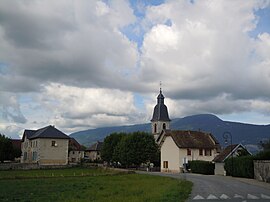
column 99, row 185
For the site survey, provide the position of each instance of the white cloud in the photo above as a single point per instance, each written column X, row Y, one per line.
column 87, row 107
column 67, row 63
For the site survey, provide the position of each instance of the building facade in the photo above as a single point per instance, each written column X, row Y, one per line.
column 177, row 148
column 45, row 146
column 93, row 153
column 75, row 152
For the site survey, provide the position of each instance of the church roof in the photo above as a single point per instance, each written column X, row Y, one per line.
column 192, row 139
column 160, row 110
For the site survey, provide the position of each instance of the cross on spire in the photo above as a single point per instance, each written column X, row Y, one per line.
column 160, row 85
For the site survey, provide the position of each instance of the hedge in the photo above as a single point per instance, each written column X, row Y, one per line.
column 202, row 167
column 263, row 155
column 241, row 166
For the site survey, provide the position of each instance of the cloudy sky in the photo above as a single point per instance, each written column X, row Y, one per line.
column 86, row 64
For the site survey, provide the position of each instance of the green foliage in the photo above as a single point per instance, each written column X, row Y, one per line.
column 137, row 148
column 130, row 149
column 6, row 149
column 240, row 166
column 265, row 145
column 263, row 155
column 109, row 146
column 95, row 187
column 202, row 167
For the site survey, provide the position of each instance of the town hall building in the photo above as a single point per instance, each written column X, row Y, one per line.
column 177, row 147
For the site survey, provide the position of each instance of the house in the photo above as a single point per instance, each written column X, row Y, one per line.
column 45, row 146
column 93, row 153
column 76, row 151
column 231, row 150
column 178, row 147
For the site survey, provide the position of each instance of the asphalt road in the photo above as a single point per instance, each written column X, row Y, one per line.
column 221, row 188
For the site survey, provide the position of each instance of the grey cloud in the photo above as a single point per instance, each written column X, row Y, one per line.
column 75, row 47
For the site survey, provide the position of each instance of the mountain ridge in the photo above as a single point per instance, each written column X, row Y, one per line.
column 247, row 134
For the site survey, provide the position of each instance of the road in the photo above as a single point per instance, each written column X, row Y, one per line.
column 222, row 188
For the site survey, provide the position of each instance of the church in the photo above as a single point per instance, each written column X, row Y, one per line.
column 177, row 147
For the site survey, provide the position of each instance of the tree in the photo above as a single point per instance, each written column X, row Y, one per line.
column 6, row 149
column 137, row 148
column 109, row 146
column 265, row 145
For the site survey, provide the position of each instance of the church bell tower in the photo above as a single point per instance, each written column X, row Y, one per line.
column 160, row 120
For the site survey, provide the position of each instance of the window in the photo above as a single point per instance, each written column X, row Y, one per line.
column 165, row 164
column 164, row 126
column 208, row 152
column 200, row 152
column 155, row 128
column 34, row 156
column 188, row 152
column 54, row 144
column 25, row 156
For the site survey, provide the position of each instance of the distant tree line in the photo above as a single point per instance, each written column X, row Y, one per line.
column 7, row 151
column 130, row 150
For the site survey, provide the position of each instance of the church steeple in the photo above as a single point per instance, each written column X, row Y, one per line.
column 160, row 120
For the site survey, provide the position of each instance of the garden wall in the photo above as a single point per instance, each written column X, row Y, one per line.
column 28, row 166
column 262, row 170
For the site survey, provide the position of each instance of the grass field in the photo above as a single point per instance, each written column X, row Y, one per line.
column 97, row 185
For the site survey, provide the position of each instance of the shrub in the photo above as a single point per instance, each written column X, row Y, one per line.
column 263, row 155
column 202, row 167
column 240, row 166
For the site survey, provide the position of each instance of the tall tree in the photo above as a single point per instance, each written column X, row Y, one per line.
column 109, row 146
column 265, row 145
column 137, row 148
column 6, row 148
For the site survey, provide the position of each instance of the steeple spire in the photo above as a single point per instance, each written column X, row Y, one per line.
column 160, row 120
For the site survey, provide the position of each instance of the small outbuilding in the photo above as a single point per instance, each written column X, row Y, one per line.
column 231, row 150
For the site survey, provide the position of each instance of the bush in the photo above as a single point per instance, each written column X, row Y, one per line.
column 240, row 166
column 263, row 155
column 202, row 167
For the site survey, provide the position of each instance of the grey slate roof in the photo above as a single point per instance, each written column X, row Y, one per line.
column 47, row 132
column 160, row 110
column 95, row 147
column 28, row 133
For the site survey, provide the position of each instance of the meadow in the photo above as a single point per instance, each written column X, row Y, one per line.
column 84, row 184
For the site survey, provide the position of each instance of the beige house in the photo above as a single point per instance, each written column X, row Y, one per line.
column 179, row 147
column 45, row 146
column 93, row 153
column 76, row 152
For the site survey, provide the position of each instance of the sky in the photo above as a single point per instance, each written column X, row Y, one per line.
column 87, row 64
